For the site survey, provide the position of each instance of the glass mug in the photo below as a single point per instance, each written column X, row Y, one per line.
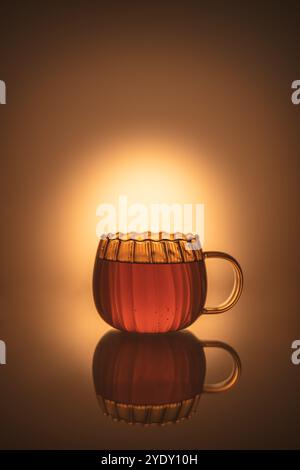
column 155, row 379
column 155, row 283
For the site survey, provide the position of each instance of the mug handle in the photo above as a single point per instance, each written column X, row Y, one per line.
column 233, row 377
column 237, row 286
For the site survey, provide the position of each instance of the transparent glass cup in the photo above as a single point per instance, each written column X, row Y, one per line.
column 155, row 283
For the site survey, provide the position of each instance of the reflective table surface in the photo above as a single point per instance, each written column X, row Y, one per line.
column 66, row 370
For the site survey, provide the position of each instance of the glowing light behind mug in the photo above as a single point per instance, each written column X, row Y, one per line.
column 147, row 171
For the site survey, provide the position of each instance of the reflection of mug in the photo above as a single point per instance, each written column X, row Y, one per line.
column 151, row 284
column 154, row 379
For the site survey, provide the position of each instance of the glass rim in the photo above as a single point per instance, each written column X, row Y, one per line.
column 148, row 247
column 151, row 236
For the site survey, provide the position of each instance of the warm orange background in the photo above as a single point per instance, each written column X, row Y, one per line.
column 209, row 86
